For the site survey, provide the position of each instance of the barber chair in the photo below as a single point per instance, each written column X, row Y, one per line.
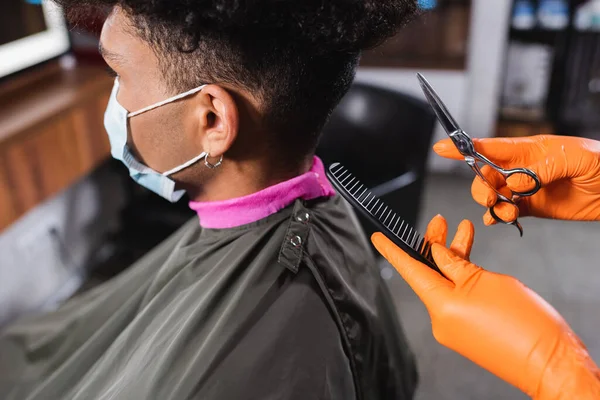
column 383, row 137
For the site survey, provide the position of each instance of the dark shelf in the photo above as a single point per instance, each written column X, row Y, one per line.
column 537, row 35
column 569, row 107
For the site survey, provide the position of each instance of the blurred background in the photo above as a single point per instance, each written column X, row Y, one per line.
column 70, row 217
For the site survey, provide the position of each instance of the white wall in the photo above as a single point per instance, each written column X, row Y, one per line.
column 485, row 64
column 472, row 95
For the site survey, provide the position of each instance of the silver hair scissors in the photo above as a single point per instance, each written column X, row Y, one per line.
column 465, row 146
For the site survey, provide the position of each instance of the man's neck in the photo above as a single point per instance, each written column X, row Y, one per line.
column 241, row 179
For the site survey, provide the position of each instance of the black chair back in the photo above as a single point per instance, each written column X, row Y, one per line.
column 384, row 138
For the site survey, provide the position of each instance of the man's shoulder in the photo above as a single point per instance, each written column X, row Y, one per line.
column 337, row 240
column 339, row 254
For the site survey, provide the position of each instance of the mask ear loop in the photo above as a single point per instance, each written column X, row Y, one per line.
column 166, row 101
column 194, row 160
column 187, row 164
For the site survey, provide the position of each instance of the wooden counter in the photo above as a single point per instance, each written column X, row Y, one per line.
column 51, row 134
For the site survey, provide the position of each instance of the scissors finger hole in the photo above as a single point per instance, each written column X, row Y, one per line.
column 523, row 182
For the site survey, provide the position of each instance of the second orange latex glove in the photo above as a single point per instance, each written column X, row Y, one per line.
column 568, row 168
column 496, row 321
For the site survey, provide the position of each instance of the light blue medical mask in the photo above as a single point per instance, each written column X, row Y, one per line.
column 115, row 122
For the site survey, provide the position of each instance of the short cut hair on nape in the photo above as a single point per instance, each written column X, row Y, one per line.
column 297, row 57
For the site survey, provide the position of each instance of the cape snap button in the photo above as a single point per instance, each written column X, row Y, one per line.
column 296, row 241
column 303, row 216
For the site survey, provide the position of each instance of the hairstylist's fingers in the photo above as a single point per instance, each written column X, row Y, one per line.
column 446, row 148
column 483, row 191
column 505, row 151
column 488, row 220
column 420, row 277
column 457, row 269
column 437, row 230
column 463, row 240
column 506, row 211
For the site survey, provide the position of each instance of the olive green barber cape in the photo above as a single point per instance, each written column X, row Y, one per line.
column 289, row 307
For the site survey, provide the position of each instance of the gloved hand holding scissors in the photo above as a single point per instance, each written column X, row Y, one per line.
column 495, row 321
column 568, row 169
column 543, row 176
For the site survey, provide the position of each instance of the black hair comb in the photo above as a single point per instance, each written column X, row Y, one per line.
column 383, row 217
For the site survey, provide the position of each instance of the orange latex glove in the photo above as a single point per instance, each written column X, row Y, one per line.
column 495, row 321
column 568, row 167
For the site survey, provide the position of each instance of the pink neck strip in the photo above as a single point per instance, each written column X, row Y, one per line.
column 244, row 210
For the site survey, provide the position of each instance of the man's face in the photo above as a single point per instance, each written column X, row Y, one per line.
column 158, row 138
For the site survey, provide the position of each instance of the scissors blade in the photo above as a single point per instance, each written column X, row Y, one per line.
column 438, row 106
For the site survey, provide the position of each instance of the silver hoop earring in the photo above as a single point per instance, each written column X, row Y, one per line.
column 212, row 166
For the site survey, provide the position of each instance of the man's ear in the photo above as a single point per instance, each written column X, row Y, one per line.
column 219, row 120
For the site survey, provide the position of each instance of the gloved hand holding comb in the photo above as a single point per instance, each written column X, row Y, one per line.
column 496, row 321
column 568, row 168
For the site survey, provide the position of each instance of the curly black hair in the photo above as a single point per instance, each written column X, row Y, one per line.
column 298, row 57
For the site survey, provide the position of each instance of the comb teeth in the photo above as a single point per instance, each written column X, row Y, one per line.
column 379, row 210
